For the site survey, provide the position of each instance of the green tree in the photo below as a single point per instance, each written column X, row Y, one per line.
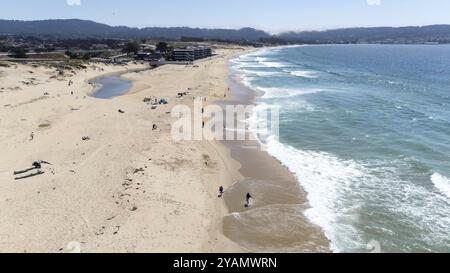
column 19, row 52
column 71, row 54
column 131, row 47
column 162, row 46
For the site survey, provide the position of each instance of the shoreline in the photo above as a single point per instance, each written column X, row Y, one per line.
column 279, row 199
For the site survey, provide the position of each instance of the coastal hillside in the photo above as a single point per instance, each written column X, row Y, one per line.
column 75, row 28
column 425, row 34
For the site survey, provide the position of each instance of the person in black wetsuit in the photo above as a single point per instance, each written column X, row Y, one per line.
column 37, row 165
column 248, row 199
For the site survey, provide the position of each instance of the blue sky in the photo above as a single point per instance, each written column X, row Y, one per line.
column 270, row 15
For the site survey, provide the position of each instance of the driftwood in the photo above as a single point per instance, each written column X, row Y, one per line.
column 30, row 175
column 37, row 165
column 24, row 171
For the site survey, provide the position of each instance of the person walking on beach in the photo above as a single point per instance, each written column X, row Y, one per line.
column 221, row 191
column 31, row 136
column 249, row 197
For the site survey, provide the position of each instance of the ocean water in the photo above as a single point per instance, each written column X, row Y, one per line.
column 366, row 130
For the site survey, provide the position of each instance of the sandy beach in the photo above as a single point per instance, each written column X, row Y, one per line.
column 119, row 183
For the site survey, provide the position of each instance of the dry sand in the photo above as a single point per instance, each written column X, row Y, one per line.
column 128, row 188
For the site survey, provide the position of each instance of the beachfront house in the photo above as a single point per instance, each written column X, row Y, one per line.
column 191, row 54
column 184, row 55
column 147, row 56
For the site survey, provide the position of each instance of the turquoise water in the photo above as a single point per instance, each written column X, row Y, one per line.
column 366, row 129
column 111, row 86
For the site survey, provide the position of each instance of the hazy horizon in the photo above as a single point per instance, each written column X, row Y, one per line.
column 298, row 15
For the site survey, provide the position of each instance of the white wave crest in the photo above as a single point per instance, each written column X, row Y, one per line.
column 270, row 93
column 272, row 64
column 260, row 73
column 304, row 74
column 442, row 183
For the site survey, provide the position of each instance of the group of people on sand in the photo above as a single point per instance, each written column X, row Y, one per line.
column 248, row 197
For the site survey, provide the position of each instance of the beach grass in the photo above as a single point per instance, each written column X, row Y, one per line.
column 44, row 125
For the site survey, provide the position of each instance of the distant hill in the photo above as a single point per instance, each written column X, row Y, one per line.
column 425, row 34
column 75, row 28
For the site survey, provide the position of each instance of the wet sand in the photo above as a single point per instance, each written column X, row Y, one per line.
column 275, row 222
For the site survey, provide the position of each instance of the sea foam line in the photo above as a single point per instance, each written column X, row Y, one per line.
column 270, row 93
column 321, row 175
column 304, row 74
column 324, row 177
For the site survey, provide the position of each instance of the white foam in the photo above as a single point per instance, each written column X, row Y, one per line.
column 243, row 66
column 270, row 93
column 304, row 74
column 338, row 190
column 254, row 121
column 246, row 80
column 260, row 73
column 292, row 46
column 253, row 54
column 272, row 64
column 324, row 177
column 442, row 183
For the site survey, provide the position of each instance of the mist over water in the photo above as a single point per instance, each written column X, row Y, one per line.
column 366, row 129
